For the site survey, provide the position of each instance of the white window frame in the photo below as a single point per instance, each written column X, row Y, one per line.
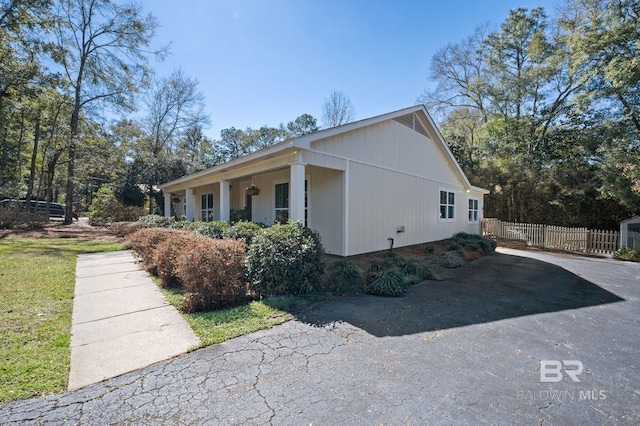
column 474, row 207
column 307, row 192
column 207, row 213
column 277, row 209
column 449, row 205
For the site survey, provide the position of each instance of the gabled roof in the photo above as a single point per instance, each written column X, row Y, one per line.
column 304, row 142
column 631, row 219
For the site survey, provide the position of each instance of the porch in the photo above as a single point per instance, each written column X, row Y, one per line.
column 290, row 188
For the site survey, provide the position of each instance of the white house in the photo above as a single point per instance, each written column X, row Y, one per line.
column 630, row 233
column 359, row 185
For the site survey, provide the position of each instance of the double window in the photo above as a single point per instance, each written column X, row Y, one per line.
column 473, row 210
column 206, row 206
column 447, row 205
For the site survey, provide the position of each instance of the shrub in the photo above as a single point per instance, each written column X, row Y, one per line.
column 183, row 225
column 212, row 273
column 390, row 282
column 474, row 242
column 242, row 231
column 394, row 258
column 412, row 267
column 240, row 215
column 124, row 229
column 144, row 243
column 453, row 246
column 412, row 279
column 165, row 257
column 14, row 217
column 285, row 259
column 626, row 253
column 450, row 260
column 432, row 271
column 157, row 221
column 106, row 209
column 213, row 229
column 379, row 266
column 345, row 276
column 416, row 270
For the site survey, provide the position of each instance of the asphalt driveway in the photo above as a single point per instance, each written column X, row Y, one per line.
column 464, row 351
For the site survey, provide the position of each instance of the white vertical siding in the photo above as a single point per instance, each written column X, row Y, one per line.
column 238, row 194
column 381, row 201
column 326, row 206
column 392, row 145
column 264, row 204
column 395, row 178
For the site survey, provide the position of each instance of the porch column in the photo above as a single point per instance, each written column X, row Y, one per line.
column 191, row 204
column 224, row 200
column 296, row 196
column 167, row 203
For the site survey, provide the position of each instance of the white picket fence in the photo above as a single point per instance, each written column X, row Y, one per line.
column 554, row 237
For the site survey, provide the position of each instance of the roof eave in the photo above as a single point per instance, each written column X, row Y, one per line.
column 274, row 149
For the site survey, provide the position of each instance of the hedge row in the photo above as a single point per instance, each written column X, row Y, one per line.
column 209, row 270
column 282, row 259
column 220, row 229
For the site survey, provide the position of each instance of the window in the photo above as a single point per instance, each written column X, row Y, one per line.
column 282, row 202
column 207, row 208
column 473, row 210
column 447, row 205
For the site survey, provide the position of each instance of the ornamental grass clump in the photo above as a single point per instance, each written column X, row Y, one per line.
column 474, row 242
column 285, row 259
column 432, row 271
column 345, row 276
column 390, row 282
column 450, row 260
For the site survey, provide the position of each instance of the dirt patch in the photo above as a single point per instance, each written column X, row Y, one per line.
column 512, row 244
column 80, row 229
column 418, row 251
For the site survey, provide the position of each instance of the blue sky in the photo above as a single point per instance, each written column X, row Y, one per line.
column 263, row 62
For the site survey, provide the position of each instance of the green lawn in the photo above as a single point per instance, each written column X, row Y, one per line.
column 37, row 278
column 217, row 326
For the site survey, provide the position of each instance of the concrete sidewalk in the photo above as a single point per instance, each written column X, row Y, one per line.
column 121, row 320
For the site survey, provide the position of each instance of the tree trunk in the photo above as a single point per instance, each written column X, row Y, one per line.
column 629, row 109
column 150, row 199
column 71, row 165
column 34, row 157
column 51, row 172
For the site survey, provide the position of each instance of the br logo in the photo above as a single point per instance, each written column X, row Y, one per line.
column 551, row 370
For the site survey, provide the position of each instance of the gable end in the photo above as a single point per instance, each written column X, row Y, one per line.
column 412, row 122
